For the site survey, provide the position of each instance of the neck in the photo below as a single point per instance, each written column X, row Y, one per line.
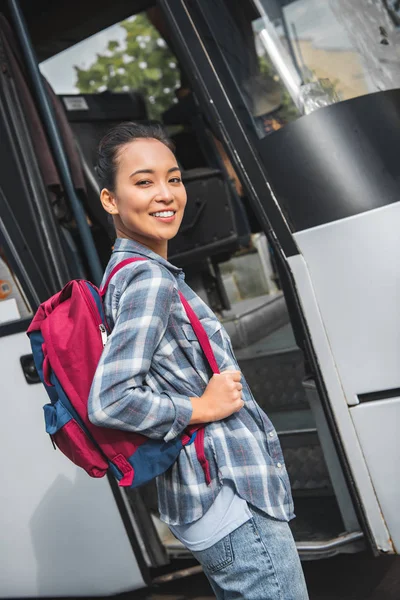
column 160, row 247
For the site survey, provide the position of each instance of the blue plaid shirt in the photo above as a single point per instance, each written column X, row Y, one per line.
column 151, row 365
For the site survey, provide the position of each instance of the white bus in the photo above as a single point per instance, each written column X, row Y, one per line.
column 286, row 119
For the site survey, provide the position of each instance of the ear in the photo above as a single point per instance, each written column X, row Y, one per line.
column 108, row 201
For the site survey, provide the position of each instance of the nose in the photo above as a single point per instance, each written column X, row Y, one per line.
column 164, row 194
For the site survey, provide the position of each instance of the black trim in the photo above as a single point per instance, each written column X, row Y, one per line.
column 376, row 396
column 22, row 187
column 29, row 369
column 338, row 162
column 14, row 327
column 130, row 532
column 20, row 258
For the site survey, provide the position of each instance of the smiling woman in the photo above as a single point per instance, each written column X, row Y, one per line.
column 227, row 494
column 147, row 204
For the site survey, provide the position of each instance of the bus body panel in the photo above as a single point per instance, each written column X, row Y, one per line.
column 354, row 268
column 354, row 320
column 61, row 531
column 377, row 427
column 344, row 424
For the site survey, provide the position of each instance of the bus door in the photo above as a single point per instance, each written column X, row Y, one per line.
column 62, row 533
column 315, row 146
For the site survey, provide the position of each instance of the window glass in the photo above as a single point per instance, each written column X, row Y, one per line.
column 290, row 58
column 13, row 303
column 129, row 56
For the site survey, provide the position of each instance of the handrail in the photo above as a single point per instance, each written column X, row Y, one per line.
column 324, row 546
column 55, row 140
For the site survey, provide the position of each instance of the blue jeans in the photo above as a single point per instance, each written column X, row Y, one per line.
column 257, row 561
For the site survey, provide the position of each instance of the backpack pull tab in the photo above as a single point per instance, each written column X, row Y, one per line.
column 103, row 334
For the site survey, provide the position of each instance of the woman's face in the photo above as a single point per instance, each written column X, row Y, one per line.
column 149, row 198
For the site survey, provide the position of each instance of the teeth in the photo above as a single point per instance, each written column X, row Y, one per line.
column 165, row 213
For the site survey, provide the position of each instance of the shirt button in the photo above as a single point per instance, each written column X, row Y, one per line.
column 271, row 434
column 279, row 465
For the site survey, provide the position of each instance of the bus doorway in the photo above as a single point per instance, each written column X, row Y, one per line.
column 330, row 179
column 227, row 259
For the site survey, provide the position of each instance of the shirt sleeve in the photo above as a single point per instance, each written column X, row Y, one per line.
column 119, row 397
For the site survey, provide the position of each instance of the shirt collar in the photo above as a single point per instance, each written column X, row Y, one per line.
column 132, row 247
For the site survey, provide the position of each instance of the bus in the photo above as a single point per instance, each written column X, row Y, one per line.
column 286, row 119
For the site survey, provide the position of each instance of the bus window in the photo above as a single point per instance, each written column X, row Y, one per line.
column 128, row 56
column 13, row 303
column 290, row 58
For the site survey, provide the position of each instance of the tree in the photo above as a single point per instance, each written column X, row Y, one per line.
column 144, row 63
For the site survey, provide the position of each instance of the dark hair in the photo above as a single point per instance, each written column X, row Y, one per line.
column 118, row 136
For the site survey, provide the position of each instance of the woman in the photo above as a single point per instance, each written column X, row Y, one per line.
column 153, row 379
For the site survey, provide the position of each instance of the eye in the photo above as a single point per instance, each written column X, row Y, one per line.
column 175, row 180
column 143, row 182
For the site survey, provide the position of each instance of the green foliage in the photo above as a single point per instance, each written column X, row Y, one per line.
column 144, row 63
column 288, row 111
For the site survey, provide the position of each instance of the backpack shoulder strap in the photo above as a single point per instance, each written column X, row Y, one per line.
column 200, row 334
column 115, row 270
column 194, row 321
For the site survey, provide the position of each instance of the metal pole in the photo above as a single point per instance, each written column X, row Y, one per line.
column 55, row 141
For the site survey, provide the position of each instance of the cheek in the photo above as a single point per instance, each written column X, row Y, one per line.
column 183, row 199
column 130, row 202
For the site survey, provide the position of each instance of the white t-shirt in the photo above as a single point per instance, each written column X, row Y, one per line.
column 228, row 512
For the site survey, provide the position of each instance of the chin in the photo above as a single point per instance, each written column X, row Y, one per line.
column 167, row 236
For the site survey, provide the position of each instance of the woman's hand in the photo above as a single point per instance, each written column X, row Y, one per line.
column 222, row 398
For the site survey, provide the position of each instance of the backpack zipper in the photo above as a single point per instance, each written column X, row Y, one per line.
column 93, row 309
column 103, row 333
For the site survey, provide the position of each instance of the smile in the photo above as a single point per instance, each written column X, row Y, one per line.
column 164, row 214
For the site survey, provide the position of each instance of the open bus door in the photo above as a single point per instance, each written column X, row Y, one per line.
column 325, row 188
column 62, row 533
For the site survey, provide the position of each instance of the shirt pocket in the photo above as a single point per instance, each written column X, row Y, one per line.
column 213, row 330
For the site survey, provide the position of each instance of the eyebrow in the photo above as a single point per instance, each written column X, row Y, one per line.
column 151, row 171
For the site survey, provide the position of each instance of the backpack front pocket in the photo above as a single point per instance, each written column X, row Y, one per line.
column 70, row 438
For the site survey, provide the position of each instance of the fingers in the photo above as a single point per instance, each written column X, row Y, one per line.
column 237, row 388
column 240, row 405
column 234, row 375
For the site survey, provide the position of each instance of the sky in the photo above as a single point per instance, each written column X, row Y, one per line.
column 59, row 70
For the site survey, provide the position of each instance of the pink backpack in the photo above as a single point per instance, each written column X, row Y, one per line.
column 67, row 336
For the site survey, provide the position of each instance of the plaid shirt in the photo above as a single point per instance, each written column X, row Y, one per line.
column 151, row 365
